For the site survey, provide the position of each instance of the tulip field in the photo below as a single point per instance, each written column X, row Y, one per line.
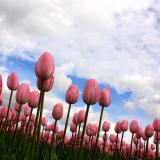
column 25, row 133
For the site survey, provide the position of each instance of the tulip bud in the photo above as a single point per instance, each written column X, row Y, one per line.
column 57, row 112
column 44, row 121
column 27, row 111
column 17, row 106
column 33, row 99
column 149, row 131
column 106, row 126
column 139, row 133
column 75, row 120
column 91, row 92
column 133, row 126
column 12, row 81
column 33, row 117
column 124, row 125
column 105, row 98
column 118, row 127
column 22, row 94
column 112, row 138
column 73, row 127
column 44, row 68
column 72, row 94
column 81, row 116
column 156, row 124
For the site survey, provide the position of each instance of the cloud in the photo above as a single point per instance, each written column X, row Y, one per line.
column 116, row 44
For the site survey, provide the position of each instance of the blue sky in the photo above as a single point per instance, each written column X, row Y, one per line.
column 116, row 42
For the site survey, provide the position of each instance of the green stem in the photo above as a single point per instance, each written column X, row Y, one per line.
column 99, row 127
column 39, row 124
column 9, row 105
column 83, row 131
column 65, row 129
column 131, row 147
column 54, row 129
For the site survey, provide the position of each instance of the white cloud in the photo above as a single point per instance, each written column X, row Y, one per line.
column 117, row 42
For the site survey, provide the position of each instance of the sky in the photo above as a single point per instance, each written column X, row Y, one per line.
column 116, row 42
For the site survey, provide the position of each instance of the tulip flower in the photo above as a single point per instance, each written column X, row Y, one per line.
column 72, row 95
column 124, row 128
column 133, row 129
column 104, row 101
column 156, row 125
column 22, row 96
column 57, row 114
column 149, row 131
column 80, row 118
column 90, row 97
column 12, row 83
column 44, row 70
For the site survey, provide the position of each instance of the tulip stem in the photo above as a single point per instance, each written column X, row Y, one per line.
column 9, row 105
column 157, row 146
column 121, row 141
column 99, row 127
column 26, row 129
column 17, row 120
column 54, row 129
column 146, row 155
column 35, row 125
column 131, row 147
column 83, row 131
column 78, row 134
column 139, row 147
column 65, row 129
column 39, row 124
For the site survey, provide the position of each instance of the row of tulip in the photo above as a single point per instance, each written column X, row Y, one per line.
column 25, row 135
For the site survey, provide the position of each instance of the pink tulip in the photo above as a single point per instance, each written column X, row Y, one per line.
column 133, row 126
column 149, row 131
column 139, row 133
column 44, row 121
column 81, row 116
column 152, row 146
column 17, row 106
column 57, row 112
column 73, row 127
column 133, row 129
column 91, row 92
column 27, row 111
column 46, row 85
column 33, row 117
column 104, row 101
column 33, row 99
column 112, row 138
column 4, row 111
column 106, row 126
column 13, row 81
column 75, row 119
column 118, row 127
column 105, row 97
column 72, row 94
column 22, row 94
column 156, row 124
column 44, row 68
column 124, row 125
